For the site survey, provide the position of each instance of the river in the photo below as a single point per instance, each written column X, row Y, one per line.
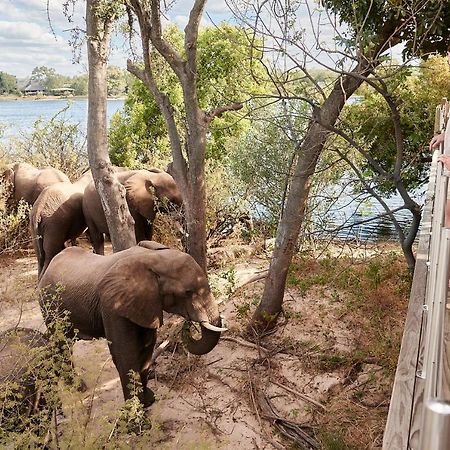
column 20, row 115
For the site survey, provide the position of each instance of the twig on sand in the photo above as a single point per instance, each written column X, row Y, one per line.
column 244, row 343
column 299, row 394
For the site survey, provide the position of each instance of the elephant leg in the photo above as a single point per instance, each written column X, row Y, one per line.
column 97, row 239
column 131, row 348
column 143, row 229
column 52, row 244
column 38, row 250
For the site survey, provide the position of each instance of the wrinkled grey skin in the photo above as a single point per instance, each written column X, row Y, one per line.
column 16, row 362
column 143, row 188
column 122, row 297
column 56, row 217
column 24, row 181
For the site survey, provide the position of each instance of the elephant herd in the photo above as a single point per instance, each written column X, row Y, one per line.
column 120, row 296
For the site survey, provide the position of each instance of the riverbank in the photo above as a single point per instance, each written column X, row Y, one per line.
column 51, row 97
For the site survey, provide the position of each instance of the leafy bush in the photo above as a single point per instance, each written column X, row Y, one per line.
column 42, row 368
column 14, row 232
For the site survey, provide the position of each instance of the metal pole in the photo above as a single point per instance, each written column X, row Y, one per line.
column 436, row 429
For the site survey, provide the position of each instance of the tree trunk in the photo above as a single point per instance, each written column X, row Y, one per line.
column 111, row 192
column 195, row 196
column 289, row 227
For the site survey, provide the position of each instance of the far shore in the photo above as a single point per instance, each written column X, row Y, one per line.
column 50, row 97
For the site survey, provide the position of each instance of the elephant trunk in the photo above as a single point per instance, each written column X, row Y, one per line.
column 208, row 340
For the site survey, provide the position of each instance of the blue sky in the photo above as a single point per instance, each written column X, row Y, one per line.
column 27, row 40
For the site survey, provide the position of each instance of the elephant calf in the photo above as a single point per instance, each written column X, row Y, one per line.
column 122, row 297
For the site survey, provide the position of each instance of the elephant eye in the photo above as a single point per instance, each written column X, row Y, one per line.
column 189, row 293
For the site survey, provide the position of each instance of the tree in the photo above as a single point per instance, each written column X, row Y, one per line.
column 269, row 143
column 116, row 79
column 138, row 134
column 8, row 83
column 80, row 84
column 99, row 18
column 371, row 28
column 387, row 131
column 48, row 77
column 187, row 140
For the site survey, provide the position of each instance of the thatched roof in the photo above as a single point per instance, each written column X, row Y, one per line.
column 35, row 86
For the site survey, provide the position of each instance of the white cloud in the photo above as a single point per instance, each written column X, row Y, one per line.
column 14, row 33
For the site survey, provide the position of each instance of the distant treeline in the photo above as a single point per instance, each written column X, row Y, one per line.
column 48, row 79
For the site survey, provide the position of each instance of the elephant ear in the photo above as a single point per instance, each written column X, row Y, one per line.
column 140, row 196
column 165, row 187
column 152, row 245
column 130, row 289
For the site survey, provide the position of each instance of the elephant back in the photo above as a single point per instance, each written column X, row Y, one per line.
column 29, row 181
column 48, row 177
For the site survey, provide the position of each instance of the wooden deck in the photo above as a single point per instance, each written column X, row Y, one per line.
column 423, row 370
column 405, row 411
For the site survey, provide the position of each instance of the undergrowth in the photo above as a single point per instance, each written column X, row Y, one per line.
column 41, row 403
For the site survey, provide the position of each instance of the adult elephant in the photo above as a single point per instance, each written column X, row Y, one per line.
column 122, row 297
column 148, row 191
column 56, row 217
column 24, row 181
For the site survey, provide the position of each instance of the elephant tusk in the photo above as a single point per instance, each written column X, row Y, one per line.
column 211, row 327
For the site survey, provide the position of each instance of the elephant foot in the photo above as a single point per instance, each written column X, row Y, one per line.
column 148, row 397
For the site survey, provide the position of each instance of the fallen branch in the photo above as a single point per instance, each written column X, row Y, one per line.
column 254, row 392
column 245, row 343
column 256, row 277
column 299, row 394
column 291, row 430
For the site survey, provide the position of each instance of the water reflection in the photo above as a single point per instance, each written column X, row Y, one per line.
column 370, row 224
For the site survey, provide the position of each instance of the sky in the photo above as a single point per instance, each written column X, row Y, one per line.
column 29, row 39
column 33, row 35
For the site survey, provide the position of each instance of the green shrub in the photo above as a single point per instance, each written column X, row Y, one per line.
column 14, row 233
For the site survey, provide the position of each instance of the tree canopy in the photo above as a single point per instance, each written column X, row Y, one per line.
column 366, row 19
column 226, row 71
column 8, row 83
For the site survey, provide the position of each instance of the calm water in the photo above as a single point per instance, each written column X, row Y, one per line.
column 20, row 115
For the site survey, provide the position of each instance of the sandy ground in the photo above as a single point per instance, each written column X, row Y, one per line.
column 235, row 396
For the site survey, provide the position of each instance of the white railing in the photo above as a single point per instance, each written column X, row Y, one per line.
column 435, row 422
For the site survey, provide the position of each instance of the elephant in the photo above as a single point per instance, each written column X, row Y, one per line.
column 24, row 181
column 122, row 297
column 56, row 217
column 20, row 366
column 140, row 199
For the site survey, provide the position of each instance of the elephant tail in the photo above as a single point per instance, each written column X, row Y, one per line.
column 37, row 236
